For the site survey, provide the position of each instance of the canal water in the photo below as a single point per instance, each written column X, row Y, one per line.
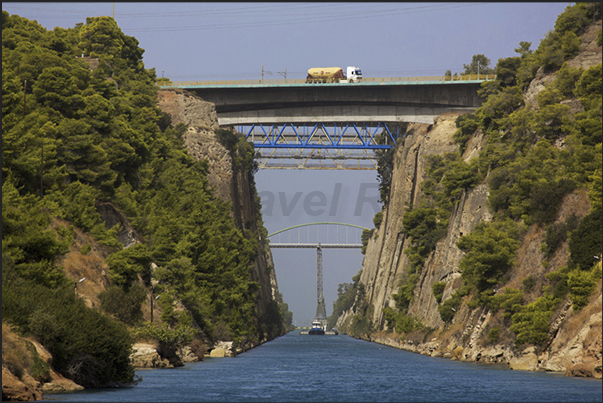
column 302, row 368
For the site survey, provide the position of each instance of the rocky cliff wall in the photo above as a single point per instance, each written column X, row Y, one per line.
column 229, row 183
column 574, row 344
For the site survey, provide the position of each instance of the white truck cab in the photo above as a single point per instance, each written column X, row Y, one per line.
column 354, row 74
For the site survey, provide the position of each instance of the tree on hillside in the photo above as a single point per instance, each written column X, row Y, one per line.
column 479, row 65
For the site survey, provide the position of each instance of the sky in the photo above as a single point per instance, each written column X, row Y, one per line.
column 236, row 41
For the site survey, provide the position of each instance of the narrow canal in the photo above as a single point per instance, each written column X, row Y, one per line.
column 301, row 368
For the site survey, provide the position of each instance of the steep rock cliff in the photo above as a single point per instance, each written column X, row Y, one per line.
column 230, row 183
column 575, row 344
column 574, row 339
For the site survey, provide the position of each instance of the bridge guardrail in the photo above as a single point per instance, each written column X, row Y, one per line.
column 420, row 79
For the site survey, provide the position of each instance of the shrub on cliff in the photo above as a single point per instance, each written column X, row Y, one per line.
column 450, row 306
column 467, row 125
column 366, row 235
column 400, row 322
column 175, row 337
column 87, row 346
column 581, row 284
column 346, row 294
column 126, row 265
column 124, row 305
column 532, row 322
column 489, row 254
column 556, row 234
column 438, row 290
column 585, row 242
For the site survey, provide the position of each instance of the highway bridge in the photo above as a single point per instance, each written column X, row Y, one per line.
column 332, row 123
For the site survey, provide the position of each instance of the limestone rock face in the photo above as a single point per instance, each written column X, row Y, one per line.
column 231, row 185
column 199, row 139
column 149, row 356
column 21, row 389
column 590, row 55
column 17, row 383
column 574, row 346
column 527, row 361
column 217, row 352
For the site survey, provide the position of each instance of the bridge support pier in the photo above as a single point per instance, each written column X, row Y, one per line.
column 321, row 314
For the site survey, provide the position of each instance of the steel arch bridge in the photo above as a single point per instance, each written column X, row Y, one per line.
column 316, row 243
column 330, row 239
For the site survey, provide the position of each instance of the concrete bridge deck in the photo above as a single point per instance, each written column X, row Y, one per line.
column 411, row 99
column 469, row 78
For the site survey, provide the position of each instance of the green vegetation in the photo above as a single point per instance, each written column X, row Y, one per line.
column 531, row 323
column 556, row 234
column 480, row 64
column 449, row 307
column 400, row 322
column 87, row 346
column 346, row 295
column 467, row 125
column 494, row 335
column 167, row 336
column 533, row 158
column 353, row 297
column 366, row 235
column 81, row 131
column 529, row 176
column 124, row 305
column 378, row 219
column 438, row 290
column 490, row 251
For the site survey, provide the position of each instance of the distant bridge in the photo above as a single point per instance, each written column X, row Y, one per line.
column 337, row 239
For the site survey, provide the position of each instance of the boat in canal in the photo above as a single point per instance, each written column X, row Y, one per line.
column 316, row 329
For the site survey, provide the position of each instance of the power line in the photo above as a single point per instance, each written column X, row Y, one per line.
column 270, row 15
column 344, row 16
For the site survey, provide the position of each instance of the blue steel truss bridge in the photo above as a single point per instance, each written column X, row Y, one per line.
column 320, row 145
column 296, row 125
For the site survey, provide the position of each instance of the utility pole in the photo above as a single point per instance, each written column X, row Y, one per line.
column 284, row 74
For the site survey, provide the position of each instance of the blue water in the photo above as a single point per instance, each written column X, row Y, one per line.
column 302, row 368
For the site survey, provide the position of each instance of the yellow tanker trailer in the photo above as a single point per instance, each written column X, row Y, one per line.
column 333, row 75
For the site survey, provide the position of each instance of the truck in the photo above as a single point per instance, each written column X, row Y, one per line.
column 333, row 75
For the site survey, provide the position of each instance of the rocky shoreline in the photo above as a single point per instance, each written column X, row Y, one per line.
column 26, row 387
column 146, row 355
column 566, row 361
